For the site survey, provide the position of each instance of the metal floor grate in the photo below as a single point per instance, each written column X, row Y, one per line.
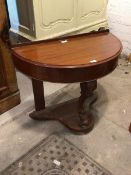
column 55, row 156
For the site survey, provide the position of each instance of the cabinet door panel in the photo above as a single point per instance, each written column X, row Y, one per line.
column 56, row 16
column 91, row 12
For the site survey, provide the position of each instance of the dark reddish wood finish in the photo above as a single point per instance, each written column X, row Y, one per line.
column 68, row 63
column 74, row 114
column 87, row 89
column 38, row 90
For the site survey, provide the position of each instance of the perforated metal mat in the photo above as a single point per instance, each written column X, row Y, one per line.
column 55, row 156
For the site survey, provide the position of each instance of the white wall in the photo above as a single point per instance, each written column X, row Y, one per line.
column 119, row 17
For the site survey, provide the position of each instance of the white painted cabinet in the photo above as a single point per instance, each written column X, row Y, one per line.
column 54, row 17
column 91, row 15
column 43, row 19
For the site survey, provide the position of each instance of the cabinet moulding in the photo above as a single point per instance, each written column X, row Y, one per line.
column 50, row 24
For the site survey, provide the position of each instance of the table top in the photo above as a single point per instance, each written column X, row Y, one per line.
column 73, row 53
column 76, row 51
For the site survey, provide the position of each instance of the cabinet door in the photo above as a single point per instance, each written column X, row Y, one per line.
column 91, row 12
column 55, row 17
column 21, row 16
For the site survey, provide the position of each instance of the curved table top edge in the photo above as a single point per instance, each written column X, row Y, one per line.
column 38, row 64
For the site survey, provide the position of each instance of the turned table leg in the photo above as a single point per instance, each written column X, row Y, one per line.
column 85, row 100
column 38, row 91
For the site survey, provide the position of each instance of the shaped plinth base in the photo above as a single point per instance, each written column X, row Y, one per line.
column 74, row 114
column 67, row 113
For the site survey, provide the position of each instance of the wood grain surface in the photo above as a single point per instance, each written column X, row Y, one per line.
column 75, row 59
column 70, row 61
column 3, row 16
column 77, row 51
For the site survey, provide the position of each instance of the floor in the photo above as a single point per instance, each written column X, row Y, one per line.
column 109, row 143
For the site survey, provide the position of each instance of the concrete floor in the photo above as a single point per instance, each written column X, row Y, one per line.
column 109, row 143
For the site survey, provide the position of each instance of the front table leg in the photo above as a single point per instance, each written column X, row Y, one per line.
column 38, row 90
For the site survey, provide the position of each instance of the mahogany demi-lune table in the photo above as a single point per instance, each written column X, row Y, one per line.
column 84, row 59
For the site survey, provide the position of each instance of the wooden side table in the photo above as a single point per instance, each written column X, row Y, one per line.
column 81, row 59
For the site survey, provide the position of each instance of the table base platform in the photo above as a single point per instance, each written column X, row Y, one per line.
column 67, row 113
